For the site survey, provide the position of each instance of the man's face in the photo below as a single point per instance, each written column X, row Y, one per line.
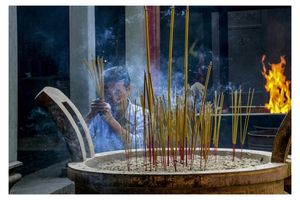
column 115, row 93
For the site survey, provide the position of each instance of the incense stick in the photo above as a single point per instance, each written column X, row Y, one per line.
column 147, row 39
column 218, row 102
column 175, row 131
column 236, row 109
column 95, row 71
column 135, row 134
column 170, row 78
column 185, row 76
column 247, row 116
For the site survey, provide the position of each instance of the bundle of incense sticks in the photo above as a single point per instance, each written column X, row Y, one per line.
column 218, row 106
column 236, row 99
column 206, row 138
column 127, row 139
column 237, row 120
column 177, row 138
column 135, row 133
column 95, row 71
column 195, row 131
column 243, row 132
column 174, row 132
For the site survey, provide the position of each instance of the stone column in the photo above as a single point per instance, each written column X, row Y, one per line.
column 82, row 46
column 13, row 84
column 215, row 46
column 135, row 47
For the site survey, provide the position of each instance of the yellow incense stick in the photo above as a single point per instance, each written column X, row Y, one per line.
column 186, row 49
column 170, row 73
column 248, row 111
column 95, row 71
column 216, row 103
column 147, row 40
column 220, row 117
column 186, row 73
column 170, row 56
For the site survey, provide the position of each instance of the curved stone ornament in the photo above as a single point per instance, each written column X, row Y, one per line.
column 69, row 121
column 282, row 141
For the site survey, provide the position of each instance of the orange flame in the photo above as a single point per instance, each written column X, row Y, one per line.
column 278, row 87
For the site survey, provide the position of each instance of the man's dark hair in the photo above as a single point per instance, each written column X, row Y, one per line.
column 116, row 74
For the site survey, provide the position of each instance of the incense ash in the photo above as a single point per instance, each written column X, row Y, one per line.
column 221, row 163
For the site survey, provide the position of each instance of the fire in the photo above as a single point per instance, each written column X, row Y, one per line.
column 278, row 87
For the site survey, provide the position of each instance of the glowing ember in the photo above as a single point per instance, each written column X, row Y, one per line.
column 278, row 87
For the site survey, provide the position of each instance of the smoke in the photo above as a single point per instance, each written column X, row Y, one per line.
column 179, row 11
column 106, row 37
column 135, row 57
column 40, row 124
column 38, row 114
column 46, row 38
column 109, row 33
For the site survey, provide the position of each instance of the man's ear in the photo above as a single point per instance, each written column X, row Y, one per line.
column 128, row 89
